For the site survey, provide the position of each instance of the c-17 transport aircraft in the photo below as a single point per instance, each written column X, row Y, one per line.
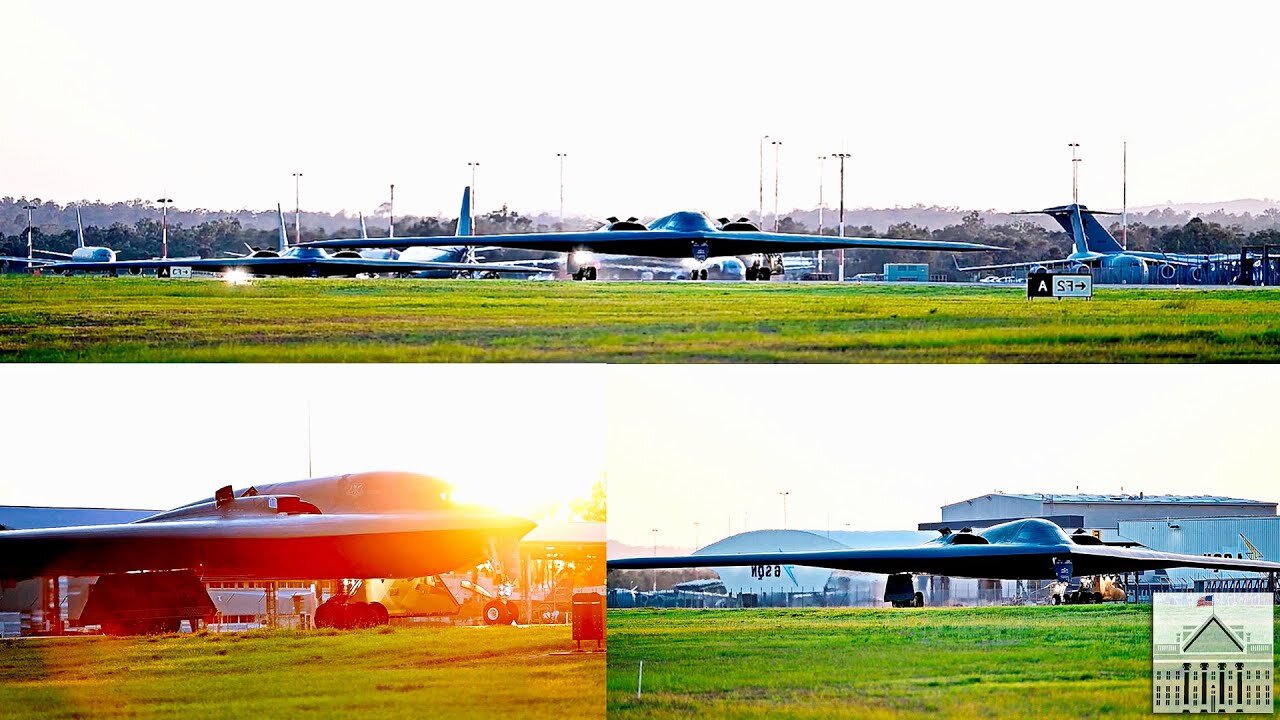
column 362, row 525
column 296, row 261
column 1030, row 549
column 685, row 234
column 1094, row 247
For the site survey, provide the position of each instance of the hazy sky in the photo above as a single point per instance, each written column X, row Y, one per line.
column 660, row 106
column 156, row 436
column 891, row 444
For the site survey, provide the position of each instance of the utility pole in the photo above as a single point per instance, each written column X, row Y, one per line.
column 777, row 150
column 842, row 156
column 391, row 213
column 165, row 202
column 762, row 139
column 562, row 156
column 784, row 495
column 297, row 208
column 1075, row 173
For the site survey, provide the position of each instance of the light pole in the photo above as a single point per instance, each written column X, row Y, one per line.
column 840, row 253
column 822, row 175
column 784, row 495
column 165, row 202
column 777, row 150
column 655, row 554
column 562, row 156
column 473, row 166
column 695, row 534
column 297, row 208
column 391, row 213
column 1075, row 173
column 1124, row 197
column 30, row 233
column 762, row 139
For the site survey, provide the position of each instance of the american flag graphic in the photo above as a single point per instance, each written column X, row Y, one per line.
column 1205, row 601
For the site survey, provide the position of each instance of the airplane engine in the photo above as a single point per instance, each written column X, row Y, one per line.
column 1195, row 274
column 1038, row 269
column 740, row 224
column 631, row 223
column 1081, row 268
column 135, row 271
column 1167, row 271
column 349, row 254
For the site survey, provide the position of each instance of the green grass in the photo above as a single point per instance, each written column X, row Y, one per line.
column 1025, row 662
column 142, row 319
column 389, row 672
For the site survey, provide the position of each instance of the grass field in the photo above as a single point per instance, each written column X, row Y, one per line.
column 388, row 673
column 1007, row 662
column 143, row 319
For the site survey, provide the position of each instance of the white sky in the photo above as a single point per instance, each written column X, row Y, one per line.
column 697, row 444
column 156, row 436
column 659, row 107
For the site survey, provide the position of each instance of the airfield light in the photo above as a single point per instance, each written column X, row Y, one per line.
column 165, row 202
column 840, row 253
column 297, row 208
column 236, row 276
column 777, row 150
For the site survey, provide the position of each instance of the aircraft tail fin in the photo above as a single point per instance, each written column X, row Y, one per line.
column 283, row 241
column 1087, row 234
column 464, row 215
column 79, row 229
column 364, row 231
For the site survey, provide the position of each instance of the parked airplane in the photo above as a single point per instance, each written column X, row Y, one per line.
column 684, row 234
column 457, row 253
column 1030, row 549
column 363, row 525
column 288, row 261
column 1093, row 247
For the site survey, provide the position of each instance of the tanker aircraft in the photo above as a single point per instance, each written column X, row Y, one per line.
column 363, row 525
column 296, row 261
column 684, row 234
column 1094, row 247
column 82, row 253
column 1029, row 549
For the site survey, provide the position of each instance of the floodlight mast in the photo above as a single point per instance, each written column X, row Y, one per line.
column 842, row 156
column 165, row 202
column 777, row 150
column 297, row 208
column 761, row 210
column 1075, row 173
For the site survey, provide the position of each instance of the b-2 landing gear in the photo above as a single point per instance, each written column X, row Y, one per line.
column 759, row 272
column 585, row 273
column 501, row 612
column 698, row 274
column 900, row 591
column 341, row 613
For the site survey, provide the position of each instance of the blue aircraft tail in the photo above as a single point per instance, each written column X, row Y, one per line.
column 464, row 215
column 79, row 229
column 284, row 234
column 364, row 231
column 1082, row 225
